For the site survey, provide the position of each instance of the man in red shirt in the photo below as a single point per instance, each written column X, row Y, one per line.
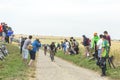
column 1, row 30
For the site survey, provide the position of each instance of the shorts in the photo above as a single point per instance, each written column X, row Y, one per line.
column 99, row 52
column 0, row 34
column 25, row 53
column 3, row 34
column 32, row 55
column 67, row 49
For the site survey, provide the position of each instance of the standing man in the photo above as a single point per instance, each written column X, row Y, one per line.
column 1, row 30
column 108, row 38
column 86, row 44
column 94, row 44
column 35, row 46
column 104, row 55
column 22, row 43
column 4, row 31
column 99, row 46
column 9, row 34
column 94, row 41
column 25, row 51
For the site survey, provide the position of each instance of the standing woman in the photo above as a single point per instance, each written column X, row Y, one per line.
column 35, row 45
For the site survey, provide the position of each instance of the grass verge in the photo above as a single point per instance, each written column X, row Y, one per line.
column 12, row 68
column 81, row 61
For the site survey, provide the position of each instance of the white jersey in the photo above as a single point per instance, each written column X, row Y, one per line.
column 67, row 44
column 99, row 44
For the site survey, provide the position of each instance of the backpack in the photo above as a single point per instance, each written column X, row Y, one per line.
column 87, row 41
column 29, row 47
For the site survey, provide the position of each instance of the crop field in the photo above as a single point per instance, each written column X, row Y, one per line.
column 115, row 48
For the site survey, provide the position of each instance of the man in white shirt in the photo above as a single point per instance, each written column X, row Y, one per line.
column 99, row 45
column 67, row 46
column 25, row 51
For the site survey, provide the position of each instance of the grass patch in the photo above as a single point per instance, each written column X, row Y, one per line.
column 12, row 68
column 84, row 62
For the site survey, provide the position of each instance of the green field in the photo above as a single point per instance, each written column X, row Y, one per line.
column 12, row 68
column 81, row 61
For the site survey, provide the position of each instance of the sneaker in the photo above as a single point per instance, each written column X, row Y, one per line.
column 103, row 75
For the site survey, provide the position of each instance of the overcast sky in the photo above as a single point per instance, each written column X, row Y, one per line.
column 62, row 17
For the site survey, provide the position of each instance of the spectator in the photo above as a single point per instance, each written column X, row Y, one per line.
column 22, row 43
column 9, row 35
column 99, row 45
column 86, row 44
column 67, row 46
column 25, row 51
column 94, row 41
column 72, row 48
column 1, row 30
column 58, row 46
column 76, row 46
column 62, row 45
column 35, row 45
column 104, row 55
column 20, row 40
column 108, row 38
column 4, row 30
column 94, row 45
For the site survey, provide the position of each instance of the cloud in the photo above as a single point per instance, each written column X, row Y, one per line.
column 61, row 7
column 68, row 15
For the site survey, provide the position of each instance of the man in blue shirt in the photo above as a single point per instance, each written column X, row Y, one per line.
column 35, row 45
